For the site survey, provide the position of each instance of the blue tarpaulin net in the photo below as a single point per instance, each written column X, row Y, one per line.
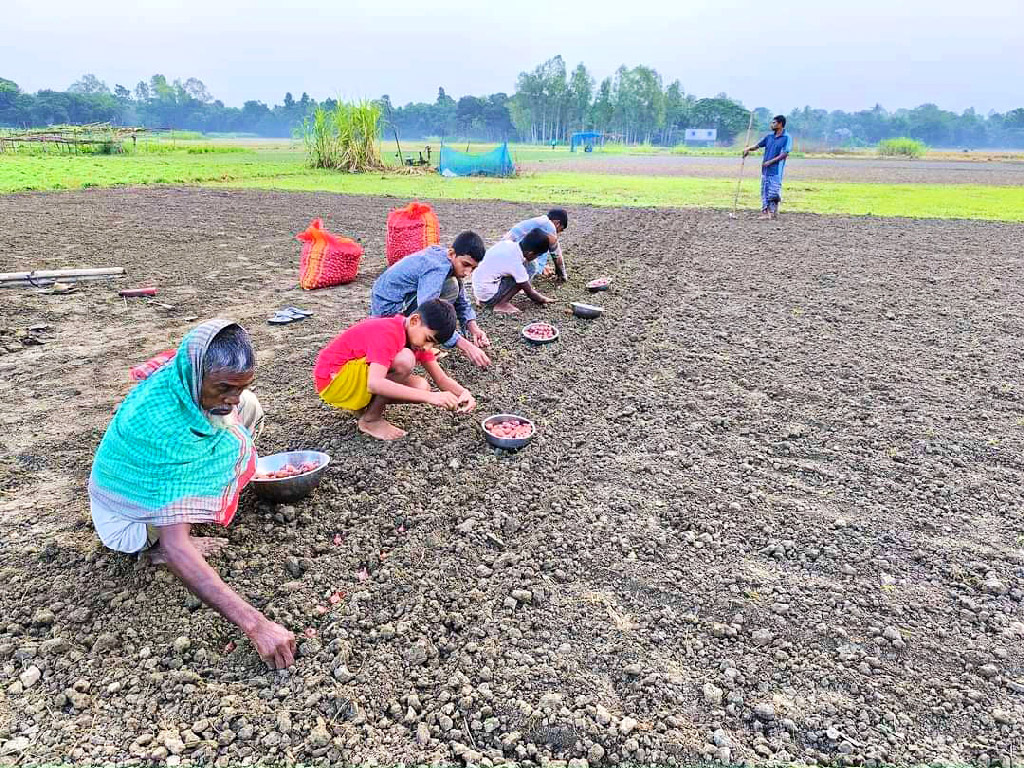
column 584, row 138
column 497, row 162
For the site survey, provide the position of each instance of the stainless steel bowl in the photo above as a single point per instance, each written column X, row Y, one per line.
column 287, row 489
column 588, row 311
column 508, row 443
column 538, row 341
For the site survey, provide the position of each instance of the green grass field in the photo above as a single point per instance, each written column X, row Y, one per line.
column 284, row 168
column 23, row 172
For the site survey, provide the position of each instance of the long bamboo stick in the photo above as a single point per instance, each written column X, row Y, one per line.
column 739, row 179
column 46, row 282
column 44, row 274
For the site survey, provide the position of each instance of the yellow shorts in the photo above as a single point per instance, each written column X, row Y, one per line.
column 348, row 388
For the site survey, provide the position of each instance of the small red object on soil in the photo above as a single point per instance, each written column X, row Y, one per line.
column 539, row 331
column 229, row 647
column 337, row 540
column 309, row 632
column 510, row 428
column 600, row 282
column 133, row 292
column 288, row 470
column 336, row 597
column 362, row 574
column 322, row 609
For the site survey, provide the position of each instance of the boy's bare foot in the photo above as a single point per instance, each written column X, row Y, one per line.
column 380, row 429
column 764, row 216
column 507, row 308
column 207, row 546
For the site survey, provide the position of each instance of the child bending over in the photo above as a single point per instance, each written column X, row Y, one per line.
column 503, row 272
column 369, row 365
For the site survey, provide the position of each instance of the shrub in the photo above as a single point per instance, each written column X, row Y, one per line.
column 109, row 147
column 176, row 135
column 344, row 138
column 166, row 148
column 901, row 147
column 206, row 149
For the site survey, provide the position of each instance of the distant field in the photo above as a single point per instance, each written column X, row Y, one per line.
column 533, row 152
column 999, row 203
column 650, row 178
column 868, row 169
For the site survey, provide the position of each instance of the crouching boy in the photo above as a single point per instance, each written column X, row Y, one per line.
column 553, row 225
column 369, row 365
column 503, row 273
column 436, row 273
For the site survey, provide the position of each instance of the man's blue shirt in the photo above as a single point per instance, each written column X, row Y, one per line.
column 773, row 147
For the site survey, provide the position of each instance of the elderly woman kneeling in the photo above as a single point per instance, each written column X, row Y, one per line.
column 178, row 453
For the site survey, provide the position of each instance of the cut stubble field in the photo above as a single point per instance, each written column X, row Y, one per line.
column 664, row 181
column 771, row 513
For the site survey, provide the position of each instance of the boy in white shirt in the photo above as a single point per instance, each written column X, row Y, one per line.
column 503, row 272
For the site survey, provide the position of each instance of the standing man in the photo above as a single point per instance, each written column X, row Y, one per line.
column 777, row 145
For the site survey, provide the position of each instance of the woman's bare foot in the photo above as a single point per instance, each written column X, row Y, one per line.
column 506, row 308
column 380, row 429
column 207, row 546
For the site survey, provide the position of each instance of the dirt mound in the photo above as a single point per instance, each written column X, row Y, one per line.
column 772, row 511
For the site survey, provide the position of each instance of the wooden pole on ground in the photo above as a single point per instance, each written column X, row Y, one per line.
column 736, row 197
column 46, row 274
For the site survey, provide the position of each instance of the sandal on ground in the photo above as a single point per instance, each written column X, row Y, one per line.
column 288, row 315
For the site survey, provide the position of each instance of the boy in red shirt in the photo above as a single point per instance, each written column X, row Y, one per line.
column 370, row 365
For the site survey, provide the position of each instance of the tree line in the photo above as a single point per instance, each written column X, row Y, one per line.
column 155, row 103
column 549, row 104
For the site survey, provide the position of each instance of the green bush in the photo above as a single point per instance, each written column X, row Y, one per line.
column 176, row 135
column 344, row 138
column 147, row 147
column 109, row 147
column 166, row 148
column 902, row 147
column 206, row 149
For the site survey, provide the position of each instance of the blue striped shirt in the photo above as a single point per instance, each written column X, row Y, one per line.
column 523, row 228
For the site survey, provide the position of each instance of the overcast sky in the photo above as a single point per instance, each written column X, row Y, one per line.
column 779, row 55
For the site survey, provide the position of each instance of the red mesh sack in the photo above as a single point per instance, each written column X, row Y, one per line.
column 411, row 229
column 151, row 366
column 326, row 259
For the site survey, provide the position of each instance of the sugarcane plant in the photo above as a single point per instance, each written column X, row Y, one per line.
column 344, row 138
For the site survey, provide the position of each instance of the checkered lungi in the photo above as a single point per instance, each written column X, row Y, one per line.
column 771, row 191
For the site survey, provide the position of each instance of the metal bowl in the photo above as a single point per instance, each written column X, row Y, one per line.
column 594, row 285
column 538, row 341
column 588, row 311
column 508, row 443
column 285, row 489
